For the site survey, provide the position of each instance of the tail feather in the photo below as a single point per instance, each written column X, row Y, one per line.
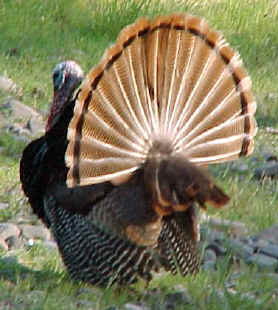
column 171, row 79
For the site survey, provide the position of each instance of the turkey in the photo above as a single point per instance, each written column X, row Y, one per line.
column 169, row 98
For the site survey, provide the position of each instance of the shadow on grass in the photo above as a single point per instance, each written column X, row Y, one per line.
column 13, row 271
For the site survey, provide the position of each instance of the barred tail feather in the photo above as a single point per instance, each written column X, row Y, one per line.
column 169, row 79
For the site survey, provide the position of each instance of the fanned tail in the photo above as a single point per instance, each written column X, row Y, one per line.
column 171, row 80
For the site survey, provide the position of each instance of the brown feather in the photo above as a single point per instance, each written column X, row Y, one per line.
column 171, row 79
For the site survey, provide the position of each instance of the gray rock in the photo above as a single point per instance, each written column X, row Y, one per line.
column 219, row 249
column 15, row 242
column 239, row 167
column 261, row 243
column 7, row 230
column 270, row 234
column 3, row 205
column 35, row 125
column 35, row 232
column 50, row 245
column 25, row 217
column 211, row 235
column 209, row 265
column 210, row 255
column 246, row 240
column 234, row 227
column 18, row 133
column 20, row 118
column 17, row 110
column 268, row 170
column 270, row 250
column 240, row 249
column 179, row 298
column 270, row 157
column 130, row 306
column 263, row 262
column 9, row 86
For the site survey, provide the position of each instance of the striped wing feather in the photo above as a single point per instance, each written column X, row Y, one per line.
column 170, row 79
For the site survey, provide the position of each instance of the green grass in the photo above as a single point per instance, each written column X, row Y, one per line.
column 37, row 280
column 35, row 35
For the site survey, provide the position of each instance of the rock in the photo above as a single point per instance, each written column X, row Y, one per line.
column 25, row 219
column 239, row 167
column 17, row 110
column 270, row 157
column 209, row 255
column 236, row 228
column 240, row 249
column 209, row 265
column 217, row 248
column 129, row 306
column 211, row 235
column 263, row 262
column 35, row 232
column 50, row 245
column 14, row 242
column 270, row 234
column 260, row 244
column 7, row 230
column 3, row 205
column 268, row 170
column 20, row 118
column 270, row 250
column 9, row 86
column 179, row 298
column 35, row 125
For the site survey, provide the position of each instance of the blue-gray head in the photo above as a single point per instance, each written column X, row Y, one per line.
column 67, row 76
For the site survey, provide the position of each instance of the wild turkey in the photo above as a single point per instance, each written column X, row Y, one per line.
column 168, row 98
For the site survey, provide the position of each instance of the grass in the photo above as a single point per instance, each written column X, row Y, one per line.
column 35, row 35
